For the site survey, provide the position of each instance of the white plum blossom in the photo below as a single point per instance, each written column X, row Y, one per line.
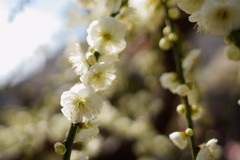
column 80, row 101
column 128, row 17
column 179, row 139
column 209, row 151
column 190, row 60
column 87, row 131
column 77, row 58
column 113, row 5
column 218, row 17
column 169, row 80
column 190, row 6
column 86, row 3
column 106, row 35
column 79, row 155
column 181, row 90
column 100, row 76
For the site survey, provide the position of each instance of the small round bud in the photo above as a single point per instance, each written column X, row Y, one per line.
column 232, row 53
column 174, row 13
column 173, row 37
column 60, row 148
column 91, row 60
column 170, row 3
column 166, row 30
column 181, row 109
column 189, row 132
column 194, row 108
column 164, row 44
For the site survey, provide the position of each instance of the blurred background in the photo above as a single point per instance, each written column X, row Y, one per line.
column 34, row 71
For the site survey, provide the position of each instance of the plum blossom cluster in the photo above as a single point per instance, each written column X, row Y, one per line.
column 214, row 16
column 217, row 17
column 97, row 71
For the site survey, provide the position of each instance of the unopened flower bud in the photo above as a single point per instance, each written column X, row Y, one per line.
column 91, row 60
column 174, row 13
column 181, row 109
column 164, row 44
column 166, row 30
column 189, row 132
column 232, row 53
column 173, row 37
column 60, row 148
column 179, row 139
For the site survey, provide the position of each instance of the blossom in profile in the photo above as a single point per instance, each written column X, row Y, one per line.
column 218, row 17
column 169, row 80
column 179, row 139
column 77, row 59
column 190, row 6
column 106, row 35
column 79, row 102
column 87, row 131
column 100, row 76
column 209, row 151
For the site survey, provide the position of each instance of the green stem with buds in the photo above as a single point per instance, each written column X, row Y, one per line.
column 69, row 141
column 177, row 57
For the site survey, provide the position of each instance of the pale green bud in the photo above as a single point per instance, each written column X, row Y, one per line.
column 189, row 132
column 164, row 44
column 181, row 109
column 174, row 13
column 60, row 148
column 91, row 60
column 173, row 37
column 232, row 53
column 166, row 30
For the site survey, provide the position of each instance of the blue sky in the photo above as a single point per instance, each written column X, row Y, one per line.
column 32, row 28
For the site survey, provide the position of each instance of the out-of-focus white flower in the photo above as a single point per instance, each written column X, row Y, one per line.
column 232, row 53
column 190, row 60
column 106, row 35
column 218, row 17
column 77, row 58
column 181, row 89
column 88, row 4
column 80, row 101
column 94, row 146
column 179, row 139
column 169, row 80
column 190, row 6
column 108, row 114
column 113, row 5
column 100, row 76
column 148, row 13
column 78, row 155
column 238, row 102
column 88, row 130
column 209, row 151
column 128, row 17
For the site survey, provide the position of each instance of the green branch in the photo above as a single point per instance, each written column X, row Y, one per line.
column 69, row 141
column 177, row 58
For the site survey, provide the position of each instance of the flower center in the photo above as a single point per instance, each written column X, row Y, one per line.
column 97, row 76
column 106, row 36
column 221, row 13
column 81, row 104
